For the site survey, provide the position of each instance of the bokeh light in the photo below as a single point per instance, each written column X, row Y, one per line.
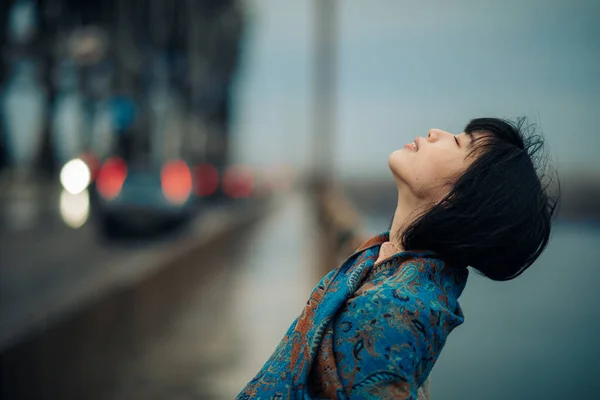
column 75, row 176
column 74, row 208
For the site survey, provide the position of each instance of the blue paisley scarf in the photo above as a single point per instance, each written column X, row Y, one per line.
column 368, row 331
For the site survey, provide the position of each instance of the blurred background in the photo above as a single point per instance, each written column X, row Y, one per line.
column 175, row 176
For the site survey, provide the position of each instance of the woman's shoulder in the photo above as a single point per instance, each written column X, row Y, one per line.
column 426, row 275
column 416, row 272
column 418, row 288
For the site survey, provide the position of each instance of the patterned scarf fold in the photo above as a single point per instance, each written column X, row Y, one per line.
column 367, row 330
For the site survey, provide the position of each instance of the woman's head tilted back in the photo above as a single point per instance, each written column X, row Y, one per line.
column 479, row 197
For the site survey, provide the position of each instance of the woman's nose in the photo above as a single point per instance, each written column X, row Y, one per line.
column 435, row 134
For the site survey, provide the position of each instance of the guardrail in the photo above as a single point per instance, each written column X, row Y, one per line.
column 340, row 226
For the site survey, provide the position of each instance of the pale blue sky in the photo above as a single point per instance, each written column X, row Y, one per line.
column 405, row 67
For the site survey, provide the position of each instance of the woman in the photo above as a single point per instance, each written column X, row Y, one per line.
column 374, row 326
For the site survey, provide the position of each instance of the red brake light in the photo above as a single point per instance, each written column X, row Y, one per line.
column 207, row 180
column 238, row 182
column 111, row 178
column 176, row 181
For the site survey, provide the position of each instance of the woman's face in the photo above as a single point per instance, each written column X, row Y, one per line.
column 427, row 166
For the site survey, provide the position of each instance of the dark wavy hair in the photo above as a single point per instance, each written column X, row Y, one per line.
column 498, row 216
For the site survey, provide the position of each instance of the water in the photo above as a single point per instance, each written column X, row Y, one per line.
column 532, row 338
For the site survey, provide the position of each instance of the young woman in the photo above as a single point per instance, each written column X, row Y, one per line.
column 374, row 326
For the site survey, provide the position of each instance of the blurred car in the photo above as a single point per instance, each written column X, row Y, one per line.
column 233, row 183
column 130, row 199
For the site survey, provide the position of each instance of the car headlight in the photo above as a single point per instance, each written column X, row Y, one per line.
column 75, row 176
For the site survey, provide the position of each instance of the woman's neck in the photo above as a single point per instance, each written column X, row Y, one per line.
column 405, row 213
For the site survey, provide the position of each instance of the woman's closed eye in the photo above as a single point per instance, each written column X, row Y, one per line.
column 456, row 140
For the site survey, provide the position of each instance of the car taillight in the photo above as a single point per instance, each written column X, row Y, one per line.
column 206, row 180
column 176, row 181
column 111, row 178
column 238, row 182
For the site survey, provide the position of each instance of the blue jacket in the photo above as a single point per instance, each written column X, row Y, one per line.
column 368, row 331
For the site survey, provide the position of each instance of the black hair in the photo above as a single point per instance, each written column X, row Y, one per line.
column 497, row 217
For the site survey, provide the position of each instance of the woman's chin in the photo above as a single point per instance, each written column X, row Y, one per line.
column 395, row 161
column 400, row 167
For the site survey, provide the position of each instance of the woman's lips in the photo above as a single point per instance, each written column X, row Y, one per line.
column 411, row 146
